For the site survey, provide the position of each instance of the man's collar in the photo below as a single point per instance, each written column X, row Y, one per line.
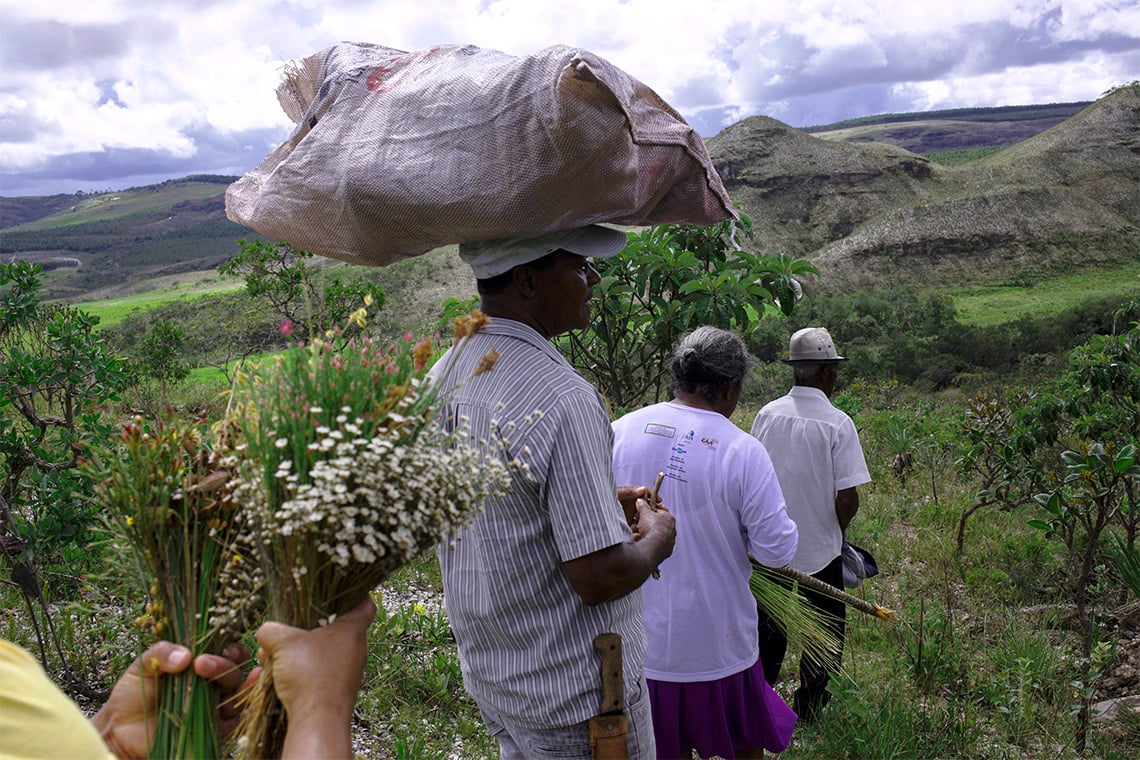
column 808, row 391
column 522, row 331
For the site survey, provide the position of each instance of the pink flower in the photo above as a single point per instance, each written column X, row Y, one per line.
column 286, row 327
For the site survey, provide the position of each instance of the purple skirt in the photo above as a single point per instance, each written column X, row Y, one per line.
column 738, row 712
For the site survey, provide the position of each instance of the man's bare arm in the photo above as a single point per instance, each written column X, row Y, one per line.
column 846, row 505
column 619, row 569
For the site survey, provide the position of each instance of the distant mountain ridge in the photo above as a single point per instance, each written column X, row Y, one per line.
column 991, row 114
column 873, row 212
column 25, row 209
column 1067, row 196
column 952, row 129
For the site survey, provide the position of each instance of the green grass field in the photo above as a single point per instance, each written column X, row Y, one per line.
column 111, row 311
column 984, row 306
column 975, row 305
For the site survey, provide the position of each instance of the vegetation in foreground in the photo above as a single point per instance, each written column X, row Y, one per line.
column 992, row 657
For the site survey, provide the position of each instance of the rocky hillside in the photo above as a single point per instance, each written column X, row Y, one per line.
column 1065, row 198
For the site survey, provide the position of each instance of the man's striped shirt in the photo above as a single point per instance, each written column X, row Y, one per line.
column 525, row 637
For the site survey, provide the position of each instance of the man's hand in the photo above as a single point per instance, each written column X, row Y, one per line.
column 317, row 676
column 658, row 523
column 126, row 720
column 628, row 496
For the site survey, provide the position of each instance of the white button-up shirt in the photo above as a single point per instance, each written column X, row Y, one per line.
column 815, row 451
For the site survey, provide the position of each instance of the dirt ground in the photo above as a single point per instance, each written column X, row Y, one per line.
column 1122, row 678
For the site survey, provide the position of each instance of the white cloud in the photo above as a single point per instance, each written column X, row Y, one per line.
column 95, row 76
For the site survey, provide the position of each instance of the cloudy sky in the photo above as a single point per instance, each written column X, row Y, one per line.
column 109, row 94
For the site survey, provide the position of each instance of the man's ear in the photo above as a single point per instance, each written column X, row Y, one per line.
column 523, row 278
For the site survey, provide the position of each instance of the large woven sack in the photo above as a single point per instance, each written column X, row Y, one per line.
column 398, row 153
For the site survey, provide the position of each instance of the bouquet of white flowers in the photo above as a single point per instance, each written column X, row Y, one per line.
column 345, row 476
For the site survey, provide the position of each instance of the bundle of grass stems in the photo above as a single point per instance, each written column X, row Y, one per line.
column 862, row 605
column 798, row 619
column 782, row 601
column 777, row 591
column 167, row 499
column 348, row 476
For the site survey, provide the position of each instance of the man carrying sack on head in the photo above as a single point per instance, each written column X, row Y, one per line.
column 533, row 580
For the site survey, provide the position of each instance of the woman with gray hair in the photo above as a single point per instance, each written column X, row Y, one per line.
column 706, row 682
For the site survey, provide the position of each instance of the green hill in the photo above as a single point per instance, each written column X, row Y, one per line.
column 1065, row 199
column 107, row 240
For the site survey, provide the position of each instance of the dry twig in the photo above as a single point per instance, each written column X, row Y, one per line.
column 653, row 506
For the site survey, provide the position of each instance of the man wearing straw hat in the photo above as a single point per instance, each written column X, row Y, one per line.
column 543, row 570
column 815, row 451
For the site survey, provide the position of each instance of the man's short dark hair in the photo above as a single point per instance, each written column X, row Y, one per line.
column 805, row 374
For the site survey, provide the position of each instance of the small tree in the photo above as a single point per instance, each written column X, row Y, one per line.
column 668, row 280
column 277, row 273
column 900, row 441
column 1001, row 449
column 1078, row 513
column 1103, row 400
column 161, row 359
column 55, row 376
column 228, row 345
column 281, row 275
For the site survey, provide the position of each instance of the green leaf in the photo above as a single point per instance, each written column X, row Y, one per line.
column 692, row 286
column 1125, row 458
column 1051, row 502
column 1073, row 460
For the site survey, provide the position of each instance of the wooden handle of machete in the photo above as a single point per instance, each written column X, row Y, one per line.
column 613, row 693
column 609, row 728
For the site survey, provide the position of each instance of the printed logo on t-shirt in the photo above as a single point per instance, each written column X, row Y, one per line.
column 685, row 439
column 656, row 428
column 710, row 442
column 675, row 468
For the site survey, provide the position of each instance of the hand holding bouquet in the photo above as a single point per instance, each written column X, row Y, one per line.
column 329, row 473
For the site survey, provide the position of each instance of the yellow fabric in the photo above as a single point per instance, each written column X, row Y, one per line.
column 37, row 720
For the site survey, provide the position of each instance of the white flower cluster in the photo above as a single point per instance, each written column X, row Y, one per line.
column 378, row 503
column 240, row 599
